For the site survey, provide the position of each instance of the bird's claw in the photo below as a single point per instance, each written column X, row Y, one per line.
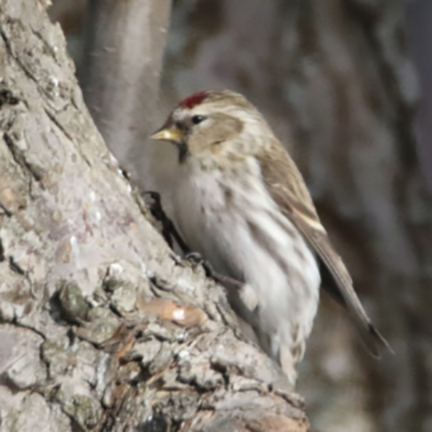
column 227, row 281
column 194, row 256
column 198, row 259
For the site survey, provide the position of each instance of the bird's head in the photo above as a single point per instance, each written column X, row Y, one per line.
column 215, row 127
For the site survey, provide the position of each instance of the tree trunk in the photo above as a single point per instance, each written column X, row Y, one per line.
column 102, row 327
column 120, row 72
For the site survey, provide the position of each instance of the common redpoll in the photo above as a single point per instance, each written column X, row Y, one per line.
column 241, row 202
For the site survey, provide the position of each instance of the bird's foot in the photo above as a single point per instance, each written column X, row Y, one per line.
column 170, row 233
column 198, row 259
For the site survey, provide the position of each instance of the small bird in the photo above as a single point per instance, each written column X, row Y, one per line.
column 241, row 202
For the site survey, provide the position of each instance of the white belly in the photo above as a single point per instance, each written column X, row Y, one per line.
column 239, row 229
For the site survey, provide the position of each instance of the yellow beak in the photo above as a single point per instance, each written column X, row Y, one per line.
column 170, row 134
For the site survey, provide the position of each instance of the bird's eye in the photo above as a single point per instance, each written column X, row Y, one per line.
column 198, row 119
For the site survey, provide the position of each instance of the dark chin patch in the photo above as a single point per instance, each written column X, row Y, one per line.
column 183, row 152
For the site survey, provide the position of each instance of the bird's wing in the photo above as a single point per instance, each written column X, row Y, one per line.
column 289, row 191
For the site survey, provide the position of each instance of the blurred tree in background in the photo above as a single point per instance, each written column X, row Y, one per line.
column 335, row 80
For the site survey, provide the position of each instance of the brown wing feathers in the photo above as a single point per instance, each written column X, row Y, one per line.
column 344, row 287
column 289, row 191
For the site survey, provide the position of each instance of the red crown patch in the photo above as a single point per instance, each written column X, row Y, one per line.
column 193, row 100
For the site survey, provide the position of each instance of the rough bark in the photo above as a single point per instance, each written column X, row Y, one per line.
column 102, row 327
